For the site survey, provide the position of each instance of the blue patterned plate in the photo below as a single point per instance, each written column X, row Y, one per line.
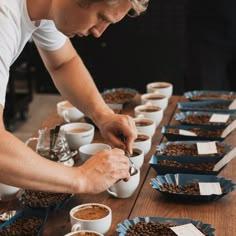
column 183, row 179
column 126, row 224
column 116, row 98
column 199, row 95
column 171, row 132
column 168, row 168
column 202, row 118
column 185, row 146
column 39, row 216
column 211, row 106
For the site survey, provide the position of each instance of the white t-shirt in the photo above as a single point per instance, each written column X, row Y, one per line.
column 16, row 29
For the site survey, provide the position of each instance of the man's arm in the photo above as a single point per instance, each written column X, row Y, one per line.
column 20, row 166
column 74, row 82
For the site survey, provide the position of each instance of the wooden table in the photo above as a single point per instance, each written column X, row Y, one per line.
column 146, row 201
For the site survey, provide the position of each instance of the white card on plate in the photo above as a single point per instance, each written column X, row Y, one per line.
column 187, row 230
column 220, row 118
column 206, row 148
column 186, row 132
column 210, row 188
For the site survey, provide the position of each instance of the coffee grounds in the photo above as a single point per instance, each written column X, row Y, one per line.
column 194, row 166
column 43, row 199
column 183, row 149
column 23, row 226
column 199, row 132
column 202, row 119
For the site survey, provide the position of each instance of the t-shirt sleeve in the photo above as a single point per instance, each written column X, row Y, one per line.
column 48, row 37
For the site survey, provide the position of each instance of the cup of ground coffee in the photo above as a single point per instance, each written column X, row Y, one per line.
column 161, row 87
column 91, row 216
column 143, row 142
column 149, row 111
column 124, row 189
column 145, row 125
column 155, row 98
column 137, row 157
column 84, row 233
column 78, row 134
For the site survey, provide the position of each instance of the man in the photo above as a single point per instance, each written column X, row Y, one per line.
column 49, row 23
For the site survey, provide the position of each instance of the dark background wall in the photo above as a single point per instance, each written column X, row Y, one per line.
column 135, row 51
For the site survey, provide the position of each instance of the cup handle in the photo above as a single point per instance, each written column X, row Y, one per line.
column 27, row 142
column 76, row 227
column 140, row 116
column 66, row 116
column 112, row 193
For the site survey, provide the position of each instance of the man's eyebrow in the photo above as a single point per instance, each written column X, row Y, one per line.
column 108, row 19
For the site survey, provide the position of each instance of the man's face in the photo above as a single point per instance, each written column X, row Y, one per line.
column 72, row 19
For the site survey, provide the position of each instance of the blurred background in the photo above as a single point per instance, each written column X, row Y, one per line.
column 189, row 43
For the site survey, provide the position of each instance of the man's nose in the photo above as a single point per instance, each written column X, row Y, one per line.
column 98, row 30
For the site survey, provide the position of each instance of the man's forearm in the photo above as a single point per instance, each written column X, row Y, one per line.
column 76, row 84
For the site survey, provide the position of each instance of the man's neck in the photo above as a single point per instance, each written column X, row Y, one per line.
column 38, row 9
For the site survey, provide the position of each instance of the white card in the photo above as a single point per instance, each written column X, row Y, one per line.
column 220, row 118
column 186, row 132
column 210, row 188
column 229, row 129
column 232, row 106
column 206, row 148
column 226, row 159
column 186, row 230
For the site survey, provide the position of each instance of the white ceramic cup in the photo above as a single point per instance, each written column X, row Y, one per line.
column 143, row 142
column 165, row 88
column 8, row 192
column 101, row 225
column 84, row 233
column 149, row 111
column 88, row 150
column 137, row 157
column 155, row 98
column 123, row 189
column 145, row 125
column 68, row 112
column 78, row 134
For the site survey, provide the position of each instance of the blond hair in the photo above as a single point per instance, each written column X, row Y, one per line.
column 138, row 6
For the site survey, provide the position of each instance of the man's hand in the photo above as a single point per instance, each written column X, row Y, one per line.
column 102, row 170
column 116, row 128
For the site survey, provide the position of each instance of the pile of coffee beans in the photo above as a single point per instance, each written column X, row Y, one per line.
column 43, row 199
column 183, row 149
column 194, row 166
column 150, row 229
column 119, row 96
column 200, row 132
column 153, row 229
column 210, row 96
column 23, row 226
column 191, row 188
column 208, row 107
column 202, row 119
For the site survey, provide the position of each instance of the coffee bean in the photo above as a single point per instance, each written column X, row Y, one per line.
column 183, row 149
column 207, row 96
column 43, row 199
column 194, row 166
column 202, row 119
column 23, row 226
column 200, row 132
column 118, row 96
column 152, row 229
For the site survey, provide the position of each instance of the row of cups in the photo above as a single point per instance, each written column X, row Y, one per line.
column 94, row 218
